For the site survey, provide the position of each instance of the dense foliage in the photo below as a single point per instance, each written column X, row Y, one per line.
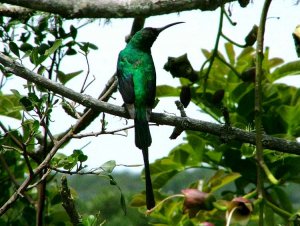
column 223, row 169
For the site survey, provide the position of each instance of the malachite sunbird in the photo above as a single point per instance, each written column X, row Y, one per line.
column 137, row 85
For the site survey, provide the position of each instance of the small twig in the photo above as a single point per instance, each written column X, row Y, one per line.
column 84, row 87
column 103, row 125
column 178, row 130
column 233, row 42
column 43, row 178
column 102, row 132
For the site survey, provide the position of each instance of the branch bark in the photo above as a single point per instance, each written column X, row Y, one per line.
column 68, row 202
column 185, row 123
column 115, row 8
column 14, row 11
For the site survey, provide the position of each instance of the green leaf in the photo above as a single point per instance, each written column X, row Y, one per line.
column 89, row 220
column 215, row 156
column 73, row 31
column 160, row 179
column 123, row 203
column 283, row 199
column 30, row 127
column 64, row 78
column 14, row 48
column 269, row 215
column 85, row 46
column 49, row 52
column 27, row 104
column 219, row 180
column 181, row 154
column 92, row 46
column 206, row 53
column 82, row 158
column 138, row 200
column 41, row 70
column 167, row 91
column 34, row 56
column 230, row 52
column 108, row 166
column 26, row 47
column 16, row 93
column 10, row 106
column 198, row 145
column 291, row 68
column 290, row 114
column 71, row 51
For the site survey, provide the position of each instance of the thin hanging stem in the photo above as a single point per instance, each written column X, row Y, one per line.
column 215, row 51
column 258, row 108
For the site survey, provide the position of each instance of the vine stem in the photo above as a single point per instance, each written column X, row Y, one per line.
column 258, row 108
column 164, row 200
column 215, row 50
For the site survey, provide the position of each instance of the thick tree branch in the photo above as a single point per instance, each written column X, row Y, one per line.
column 14, row 11
column 115, row 8
column 185, row 123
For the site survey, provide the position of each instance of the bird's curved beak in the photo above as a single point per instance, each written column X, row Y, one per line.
column 167, row 26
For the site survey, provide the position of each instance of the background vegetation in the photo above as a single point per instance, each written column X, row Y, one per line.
column 243, row 167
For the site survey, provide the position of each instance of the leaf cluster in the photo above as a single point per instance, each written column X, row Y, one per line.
column 232, row 164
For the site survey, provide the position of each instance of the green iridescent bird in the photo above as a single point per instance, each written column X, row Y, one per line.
column 137, row 85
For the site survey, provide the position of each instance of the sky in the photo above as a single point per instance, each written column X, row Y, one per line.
column 198, row 32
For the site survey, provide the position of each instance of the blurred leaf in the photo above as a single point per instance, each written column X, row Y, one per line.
column 269, row 216
column 57, row 43
column 291, row 68
column 71, row 51
column 26, row 47
column 219, row 180
column 138, row 200
column 290, row 114
column 160, row 179
column 166, row 91
column 123, row 203
column 181, row 154
column 73, row 31
column 230, row 52
column 214, row 156
column 10, row 106
column 64, row 78
column 283, row 199
column 275, row 62
column 108, row 166
column 41, row 70
column 82, row 158
column 206, row 53
column 34, row 56
column 85, row 46
column 30, row 128
column 14, row 48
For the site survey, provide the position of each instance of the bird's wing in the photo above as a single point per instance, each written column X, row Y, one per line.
column 125, row 79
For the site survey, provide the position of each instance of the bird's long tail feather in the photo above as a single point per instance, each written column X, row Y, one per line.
column 142, row 133
column 143, row 141
column 150, row 202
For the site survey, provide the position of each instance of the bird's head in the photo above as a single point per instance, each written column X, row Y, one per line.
column 146, row 37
